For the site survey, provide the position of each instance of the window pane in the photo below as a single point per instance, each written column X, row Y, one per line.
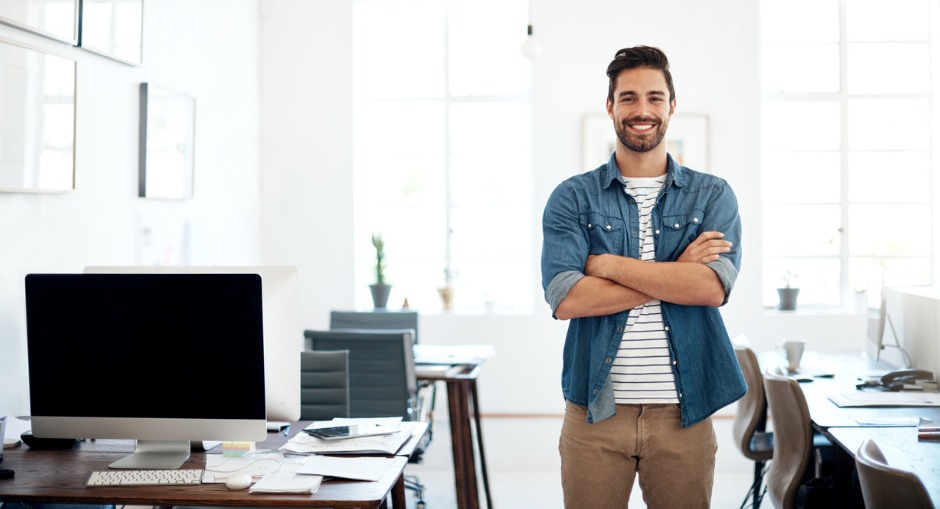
column 800, row 125
column 801, row 177
column 817, row 279
column 779, row 17
column 877, row 20
column 899, row 177
column 403, row 59
column 868, row 272
column 801, row 230
column 889, row 124
column 490, row 65
column 890, row 230
column 800, row 68
column 888, row 68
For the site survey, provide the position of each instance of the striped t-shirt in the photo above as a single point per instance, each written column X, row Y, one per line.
column 642, row 372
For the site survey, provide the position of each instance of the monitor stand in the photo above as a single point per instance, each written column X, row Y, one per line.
column 155, row 455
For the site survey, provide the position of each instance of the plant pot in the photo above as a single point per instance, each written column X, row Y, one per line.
column 787, row 298
column 380, row 293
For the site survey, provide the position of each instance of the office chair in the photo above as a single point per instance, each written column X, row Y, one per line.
column 404, row 319
column 324, row 384
column 382, row 380
column 750, row 422
column 885, row 487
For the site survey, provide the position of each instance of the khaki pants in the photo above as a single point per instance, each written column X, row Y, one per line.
column 599, row 461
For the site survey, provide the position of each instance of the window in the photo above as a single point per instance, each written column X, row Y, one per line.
column 442, row 151
column 847, row 162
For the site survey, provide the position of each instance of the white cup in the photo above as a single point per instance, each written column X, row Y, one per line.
column 792, row 350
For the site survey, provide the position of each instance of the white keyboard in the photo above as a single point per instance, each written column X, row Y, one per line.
column 145, row 477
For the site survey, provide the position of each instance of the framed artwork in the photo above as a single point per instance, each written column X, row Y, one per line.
column 37, row 120
column 167, row 143
column 56, row 19
column 686, row 140
column 113, row 28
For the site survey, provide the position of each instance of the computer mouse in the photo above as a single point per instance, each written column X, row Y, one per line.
column 238, row 482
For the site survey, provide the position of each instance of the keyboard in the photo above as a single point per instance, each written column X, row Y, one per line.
column 145, row 477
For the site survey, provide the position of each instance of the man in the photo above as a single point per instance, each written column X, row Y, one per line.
column 639, row 254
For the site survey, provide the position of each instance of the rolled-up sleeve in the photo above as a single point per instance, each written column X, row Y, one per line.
column 564, row 245
column 722, row 216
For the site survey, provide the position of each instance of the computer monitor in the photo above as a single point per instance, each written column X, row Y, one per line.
column 283, row 334
column 159, row 358
column 911, row 334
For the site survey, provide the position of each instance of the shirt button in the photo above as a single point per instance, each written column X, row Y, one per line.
column 595, row 392
column 608, row 360
column 680, row 394
column 694, row 219
column 666, row 328
column 677, row 225
column 619, row 329
column 590, row 225
column 608, row 227
column 657, row 232
column 673, row 363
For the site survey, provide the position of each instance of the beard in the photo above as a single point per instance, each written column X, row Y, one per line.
column 641, row 143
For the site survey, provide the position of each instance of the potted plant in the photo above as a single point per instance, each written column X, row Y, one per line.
column 380, row 290
column 788, row 292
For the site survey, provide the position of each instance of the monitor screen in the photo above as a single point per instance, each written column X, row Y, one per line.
column 148, row 357
column 283, row 334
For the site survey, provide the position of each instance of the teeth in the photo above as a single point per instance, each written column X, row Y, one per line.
column 642, row 127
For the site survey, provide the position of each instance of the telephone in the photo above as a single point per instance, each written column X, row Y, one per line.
column 895, row 380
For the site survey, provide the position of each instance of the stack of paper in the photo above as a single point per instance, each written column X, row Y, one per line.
column 360, row 469
column 274, row 473
column 302, row 443
column 928, row 430
column 284, row 482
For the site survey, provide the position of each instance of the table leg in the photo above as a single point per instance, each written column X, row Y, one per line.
column 475, row 402
column 398, row 493
column 462, row 445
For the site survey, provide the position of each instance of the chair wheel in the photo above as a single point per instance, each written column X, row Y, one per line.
column 419, row 504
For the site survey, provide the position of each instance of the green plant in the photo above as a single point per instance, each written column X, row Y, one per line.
column 379, row 246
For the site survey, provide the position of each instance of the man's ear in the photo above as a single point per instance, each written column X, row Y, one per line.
column 672, row 107
column 610, row 108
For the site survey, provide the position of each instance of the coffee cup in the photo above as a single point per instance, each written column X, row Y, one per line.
column 792, row 351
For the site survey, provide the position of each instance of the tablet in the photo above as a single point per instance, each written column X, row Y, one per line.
column 354, row 431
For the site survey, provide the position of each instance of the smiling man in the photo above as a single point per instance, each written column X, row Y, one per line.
column 639, row 254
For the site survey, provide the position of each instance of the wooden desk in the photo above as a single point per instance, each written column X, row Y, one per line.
column 60, row 476
column 901, row 448
column 463, row 404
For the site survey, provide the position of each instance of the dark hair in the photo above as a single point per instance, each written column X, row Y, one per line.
column 639, row 56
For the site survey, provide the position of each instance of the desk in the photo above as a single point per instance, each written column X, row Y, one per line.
column 60, row 476
column 901, row 448
column 840, row 425
column 463, row 403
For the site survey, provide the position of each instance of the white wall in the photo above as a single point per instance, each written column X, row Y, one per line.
column 307, row 151
column 206, row 49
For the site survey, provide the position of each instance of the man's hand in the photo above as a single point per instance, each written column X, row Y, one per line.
column 708, row 247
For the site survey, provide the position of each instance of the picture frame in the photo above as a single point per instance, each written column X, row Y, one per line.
column 687, row 140
column 55, row 19
column 37, row 119
column 167, row 143
column 113, row 28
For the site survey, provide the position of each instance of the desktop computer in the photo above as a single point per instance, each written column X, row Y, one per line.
column 283, row 334
column 163, row 359
column 908, row 328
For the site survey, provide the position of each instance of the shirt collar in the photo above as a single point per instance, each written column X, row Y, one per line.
column 675, row 174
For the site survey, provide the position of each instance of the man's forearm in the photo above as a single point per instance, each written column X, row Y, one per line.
column 691, row 284
column 593, row 296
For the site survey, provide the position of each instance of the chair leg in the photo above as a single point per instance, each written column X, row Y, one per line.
column 755, row 492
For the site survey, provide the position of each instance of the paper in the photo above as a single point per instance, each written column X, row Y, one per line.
column 359, row 469
column 908, row 399
column 287, row 482
column 887, row 421
column 302, row 443
column 219, row 468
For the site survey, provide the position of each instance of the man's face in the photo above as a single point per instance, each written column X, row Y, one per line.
column 641, row 109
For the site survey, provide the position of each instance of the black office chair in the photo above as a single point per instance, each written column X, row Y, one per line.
column 324, row 384
column 404, row 319
column 382, row 380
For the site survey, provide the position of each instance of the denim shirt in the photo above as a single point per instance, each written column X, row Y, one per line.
column 590, row 214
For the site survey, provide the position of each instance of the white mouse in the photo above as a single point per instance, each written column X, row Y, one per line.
column 238, row 482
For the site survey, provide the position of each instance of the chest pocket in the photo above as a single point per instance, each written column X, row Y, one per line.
column 605, row 233
column 681, row 229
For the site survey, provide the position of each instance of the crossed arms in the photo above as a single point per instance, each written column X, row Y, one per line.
column 616, row 283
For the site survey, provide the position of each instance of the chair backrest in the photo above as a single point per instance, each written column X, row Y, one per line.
column 404, row 319
column 886, row 487
column 324, row 384
column 382, row 381
column 793, row 438
column 751, row 416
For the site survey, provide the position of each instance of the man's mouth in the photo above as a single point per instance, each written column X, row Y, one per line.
column 641, row 127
